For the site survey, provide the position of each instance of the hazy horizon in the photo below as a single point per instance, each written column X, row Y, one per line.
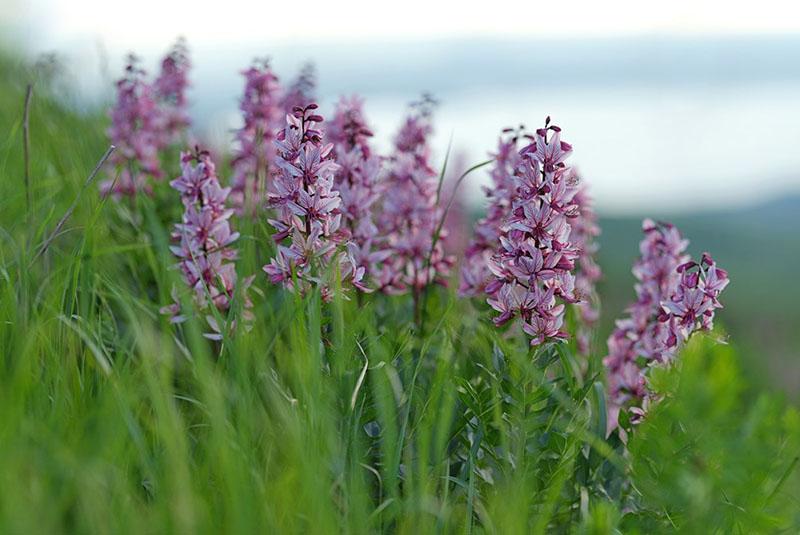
column 661, row 123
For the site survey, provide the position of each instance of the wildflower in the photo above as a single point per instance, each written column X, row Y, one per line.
column 357, row 181
column 692, row 306
column 308, row 208
column 584, row 234
column 253, row 162
column 475, row 272
column 135, row 132
column 675, row 297
column 410, row 211
column 170, row 92
column 534, row 259
column 205, row 238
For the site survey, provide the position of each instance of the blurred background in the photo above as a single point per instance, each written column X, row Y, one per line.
column 687, row 110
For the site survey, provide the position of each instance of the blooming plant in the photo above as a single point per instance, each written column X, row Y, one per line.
column 204, row 243
column 675, row 297
column 170, row 93
column 135, row 131
column 534, row 263
column 308, row 209
column 146, row 119
column 410, row 211
column 253, row 161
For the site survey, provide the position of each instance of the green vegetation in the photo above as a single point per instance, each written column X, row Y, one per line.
column 324, row 418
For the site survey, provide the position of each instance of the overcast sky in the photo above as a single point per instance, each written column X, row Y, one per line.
column 151, row 23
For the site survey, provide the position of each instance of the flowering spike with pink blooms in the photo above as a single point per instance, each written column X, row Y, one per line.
column 135, row 132
column 253, row 161
column 308, row 209
column 357, row 181
column 475, row 272
column 170, row 91
column 675, row 297
column 584, row 235
column 533, row 265
column 410, row 212
column 204, row 242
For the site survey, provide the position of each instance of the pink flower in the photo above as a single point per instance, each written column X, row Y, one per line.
column 308, row 208
column 692, row 306
column 170, row 91
column 135, row 131
column 359, row 186
column 253, row 161
column 533, row 254
column 675, row 297
column 204, row 239
column 410, row 212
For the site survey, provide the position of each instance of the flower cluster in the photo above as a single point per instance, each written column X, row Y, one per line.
column 674, row 297
column 255, row 153
column 691, row 307
column 475, row 272
column 205, row 238
column 533, row 268
column 584, row 236
column 308, row 208
column 135, row 131
column 411, row 213
column 357, row 181
column 170, row 91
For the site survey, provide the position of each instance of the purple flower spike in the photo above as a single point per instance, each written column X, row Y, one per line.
column 135, row 130
column 410, row 213
column 204, row 239
column 534, row 257
column 675, row 297
column 308, row 209
column 170, row 90
column 253, row 161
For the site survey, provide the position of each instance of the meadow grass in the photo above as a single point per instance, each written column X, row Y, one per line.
column 323, row 417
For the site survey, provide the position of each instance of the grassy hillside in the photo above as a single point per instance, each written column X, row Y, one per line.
column 326, row 418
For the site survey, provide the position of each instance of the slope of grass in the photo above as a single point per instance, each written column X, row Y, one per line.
column 322, row 418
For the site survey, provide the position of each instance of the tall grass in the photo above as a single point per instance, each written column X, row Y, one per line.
column 337, row 417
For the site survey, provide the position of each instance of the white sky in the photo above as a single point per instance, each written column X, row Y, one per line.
column 650, row 121
column 152, row 23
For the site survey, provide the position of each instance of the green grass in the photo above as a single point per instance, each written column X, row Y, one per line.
column 323, row 418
